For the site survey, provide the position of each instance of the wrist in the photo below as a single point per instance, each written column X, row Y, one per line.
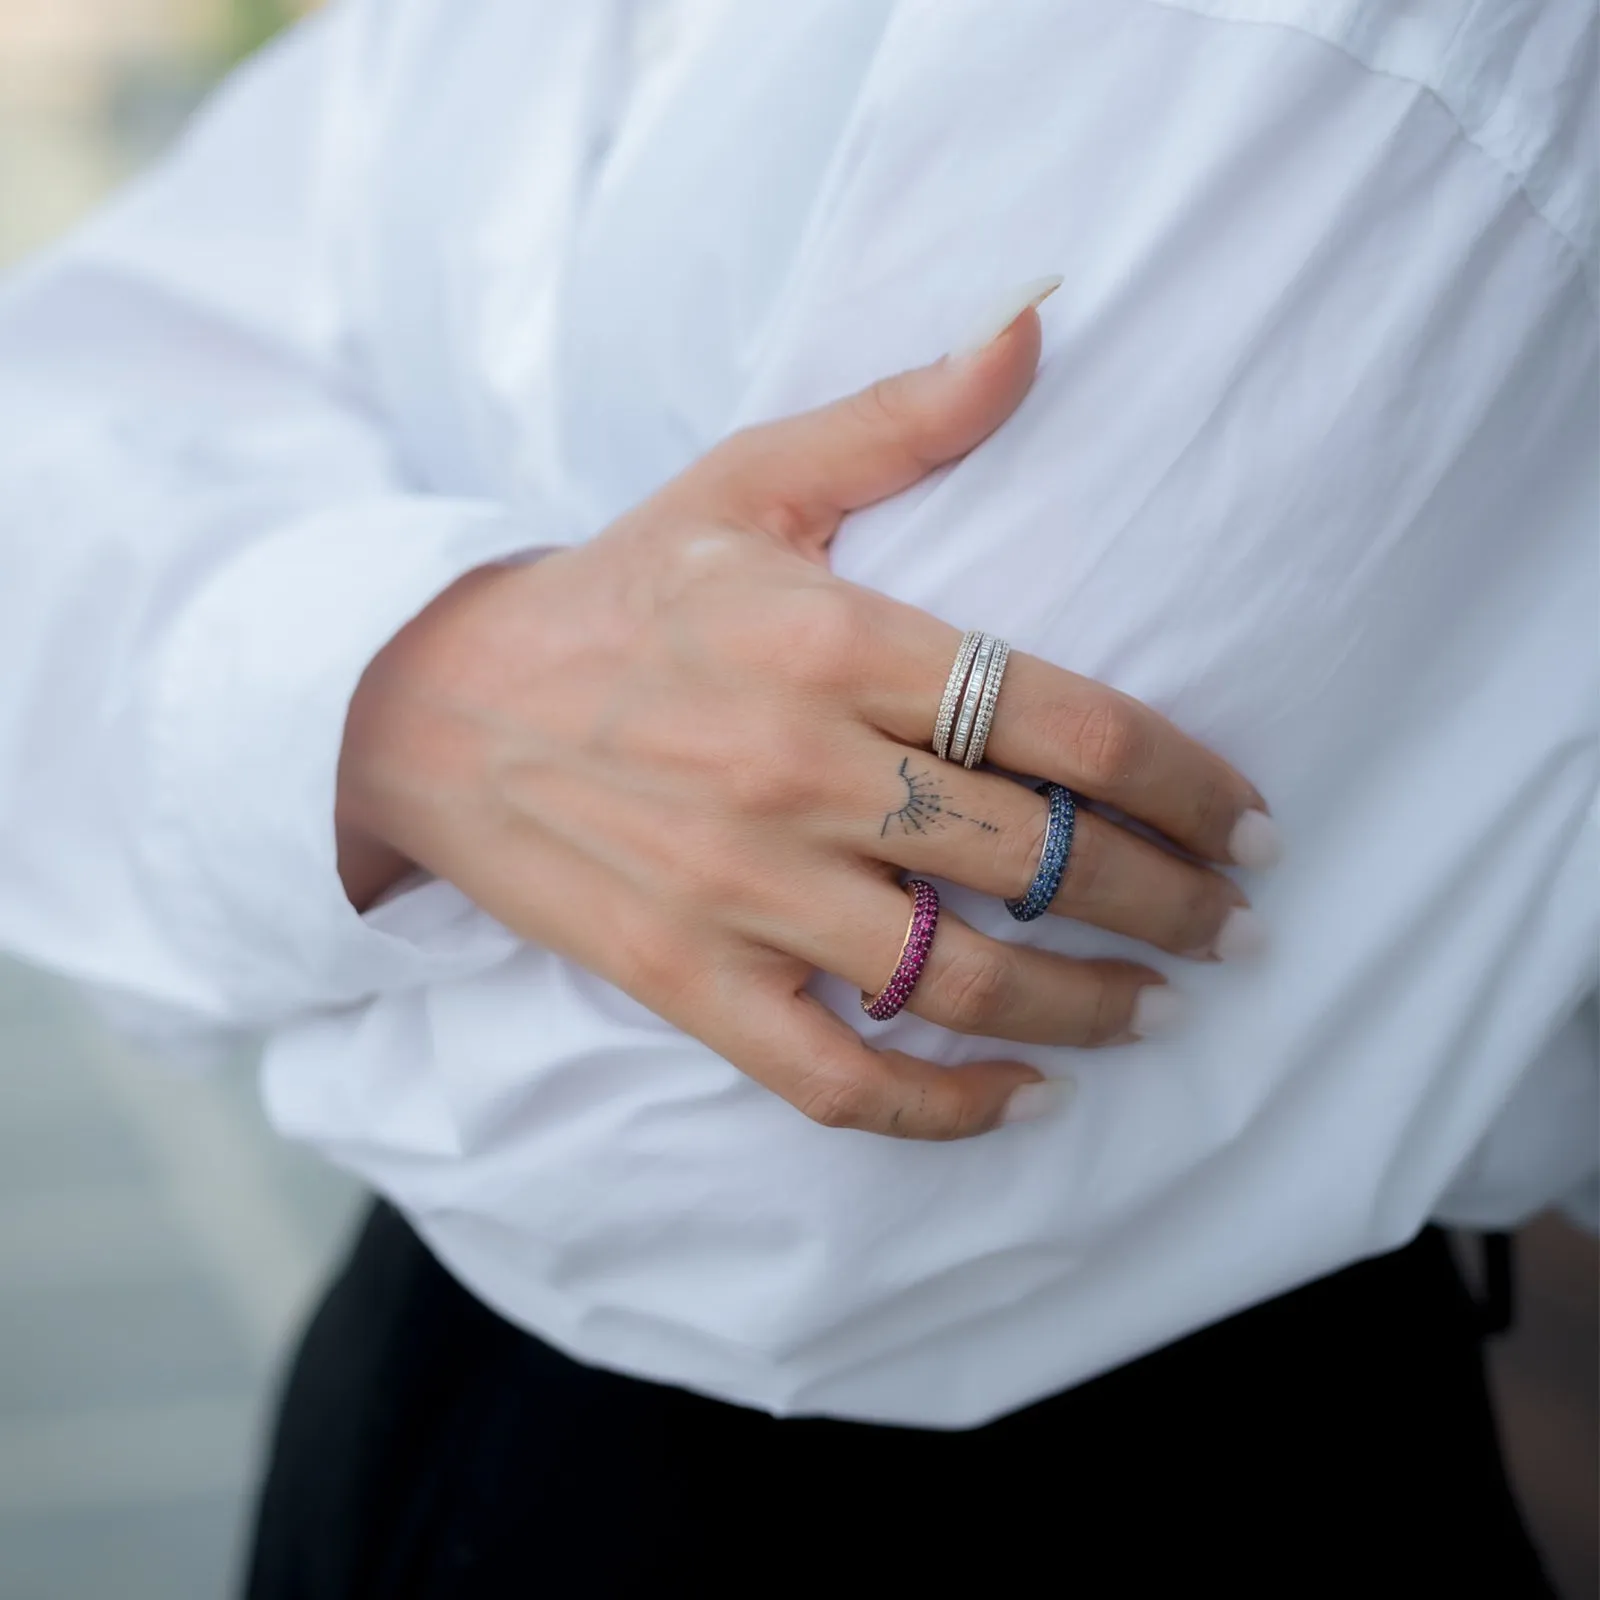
column 377, row 731
column 397, row 741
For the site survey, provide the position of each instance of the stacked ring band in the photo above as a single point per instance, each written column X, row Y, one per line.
column 961, row 738
column 891, row 998
column 1053, row 858
column 956, row 682
column 986, row 703
column 966, row 711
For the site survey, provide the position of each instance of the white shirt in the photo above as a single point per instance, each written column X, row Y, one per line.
column 1309, row 466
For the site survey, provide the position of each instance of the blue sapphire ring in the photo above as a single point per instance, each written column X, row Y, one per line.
column 1053, row 858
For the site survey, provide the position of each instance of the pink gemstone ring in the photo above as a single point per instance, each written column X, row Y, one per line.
column 891, row 998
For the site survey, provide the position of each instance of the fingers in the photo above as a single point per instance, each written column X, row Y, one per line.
column 745, row 1001
column 971, row 983
column 1118, row 750
column 987, row 833
column 1049, row 723
column 977, row 985
column 799, row 1049
column 798, row 477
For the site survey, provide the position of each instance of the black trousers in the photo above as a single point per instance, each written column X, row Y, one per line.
column 1336, row 1441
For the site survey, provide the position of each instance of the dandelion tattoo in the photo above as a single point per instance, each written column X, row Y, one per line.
column 926, row 809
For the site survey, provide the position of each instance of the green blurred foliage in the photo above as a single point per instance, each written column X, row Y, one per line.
column 252, row 22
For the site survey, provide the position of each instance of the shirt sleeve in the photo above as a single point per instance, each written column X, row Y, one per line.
column 206, row 541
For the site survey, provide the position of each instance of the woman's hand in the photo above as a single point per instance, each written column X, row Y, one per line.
column 691, row 759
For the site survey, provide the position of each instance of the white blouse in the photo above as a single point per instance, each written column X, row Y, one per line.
column 1310, row 465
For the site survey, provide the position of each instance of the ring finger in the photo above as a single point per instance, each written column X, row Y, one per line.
column 987, row 833
column 971, row 983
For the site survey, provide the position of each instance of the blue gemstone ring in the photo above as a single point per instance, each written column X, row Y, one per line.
column 1053, row 858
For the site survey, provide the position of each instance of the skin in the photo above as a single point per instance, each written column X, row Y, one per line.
column 690, row 758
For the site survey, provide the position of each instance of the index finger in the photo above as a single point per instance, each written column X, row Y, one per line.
column 1051, row 723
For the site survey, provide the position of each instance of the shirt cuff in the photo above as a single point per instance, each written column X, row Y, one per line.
column 249, row 697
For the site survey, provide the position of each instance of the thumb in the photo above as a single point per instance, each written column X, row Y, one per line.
column 798, row 477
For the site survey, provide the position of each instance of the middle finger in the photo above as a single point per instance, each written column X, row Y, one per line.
column 1056, row 724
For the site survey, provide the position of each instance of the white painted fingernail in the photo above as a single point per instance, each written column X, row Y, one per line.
column 1256, row 841
column 1157, row 1009
column 1242, row 936
column 1005, row 311
column 1034, row 1101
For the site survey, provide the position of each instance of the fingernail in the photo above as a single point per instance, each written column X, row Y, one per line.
column 1005, row 311
column 1034, row 1101
column 1157, row 1009
column 1256, row 841
column 1242, row 936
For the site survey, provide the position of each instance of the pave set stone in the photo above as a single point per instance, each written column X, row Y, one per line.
column 944, row 724
column 891, row 999
column 966, row 710
column 1053, row 858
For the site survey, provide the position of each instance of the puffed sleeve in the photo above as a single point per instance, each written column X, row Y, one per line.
column 205, row 541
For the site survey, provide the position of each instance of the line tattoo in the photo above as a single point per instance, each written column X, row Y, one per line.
column 926, row 809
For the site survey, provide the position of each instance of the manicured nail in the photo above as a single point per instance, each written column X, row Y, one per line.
column 1256, row 841
column 1242, row 936
column 1034, row 1101
column 1005, row 311
column 1157, row 1009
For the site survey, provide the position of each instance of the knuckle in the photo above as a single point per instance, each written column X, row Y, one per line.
column 832, row 1098
column 726, row 768
column 975, row 991
column 762, row 774
column 1212, row 810
column 647, row 966
column 744, row 451
column 1112, row 1009
column 1201, row 909
column 933, row 1104
column 706, row 878
column 1108, row 743
column 785, row 518
column 729, row 468
column 951, row 1116
column 881, row 407
column 892, row 415
column 823, row 634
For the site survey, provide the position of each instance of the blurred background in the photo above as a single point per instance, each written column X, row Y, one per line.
column 158, row 1246
column 91, row 89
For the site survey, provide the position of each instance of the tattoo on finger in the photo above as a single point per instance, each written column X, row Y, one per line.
column 926, row 809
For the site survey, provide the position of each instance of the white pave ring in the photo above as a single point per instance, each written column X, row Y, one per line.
column 966, row 713
column 970, row 699
column 946, row 721
column 986, row 703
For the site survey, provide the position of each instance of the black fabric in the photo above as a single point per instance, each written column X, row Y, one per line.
column 1335, row 1441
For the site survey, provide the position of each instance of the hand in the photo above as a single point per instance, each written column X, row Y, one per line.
column 688, row 757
